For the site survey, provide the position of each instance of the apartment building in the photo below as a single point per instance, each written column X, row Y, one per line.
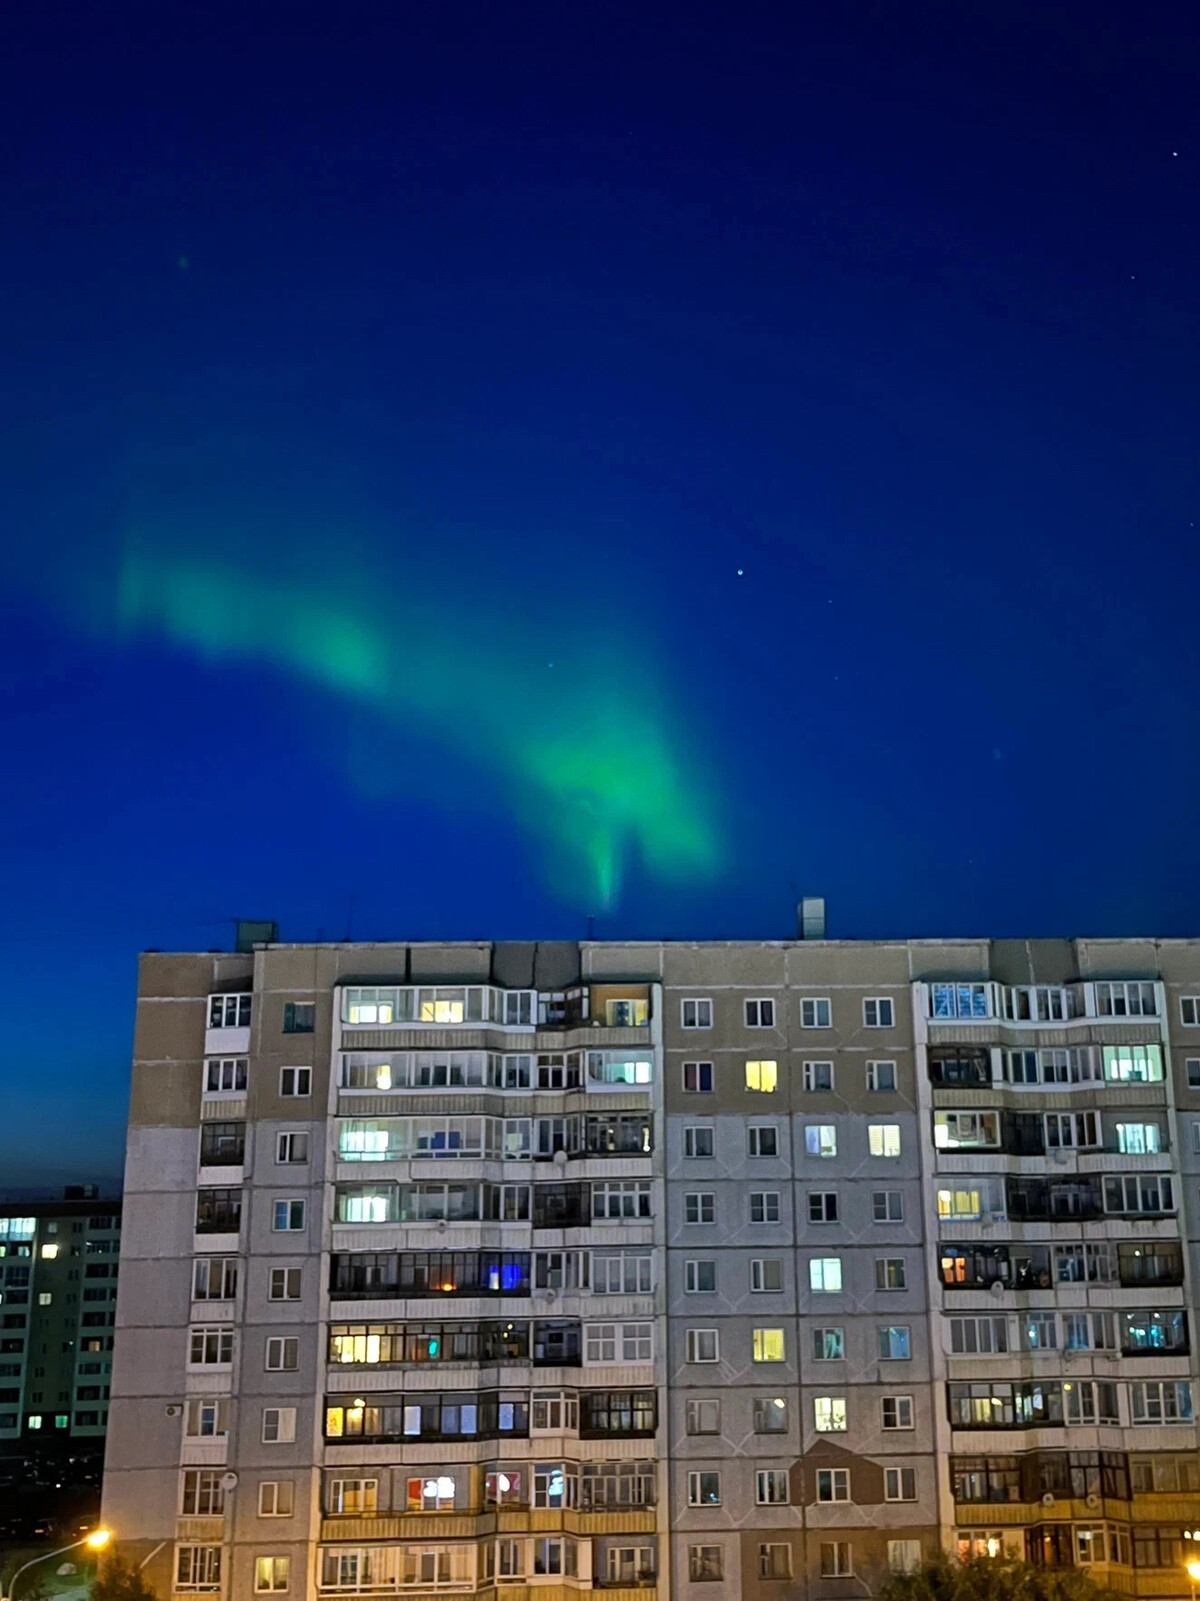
column 58, row 1291
column 658, row 1266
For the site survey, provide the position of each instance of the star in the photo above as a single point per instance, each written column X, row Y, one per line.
column 739, row 572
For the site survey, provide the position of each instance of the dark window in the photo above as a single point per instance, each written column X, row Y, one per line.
column 298, row 1017
column 218, row 1211
column 222, row 1144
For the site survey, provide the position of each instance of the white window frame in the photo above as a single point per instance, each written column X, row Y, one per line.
column 691, row 1276
column 820, row 1140
column 702, row 1070
column 880, row 1138
column 290, row 1226
column 273, row 1492
column 287, row 1141
column 754, row 1140
column 838, row 1484
column 879, row 1011
column 813, row 1072
column 811, row 1013
column 700, row 1410
column 758, row 1275
column 690, row 1141
column 830, row 1414
column 297, row 1086
column 759, row 1012
column 695, row 1487
column 703, row 1345
column 769, row 1200
column 873, row 1076
column 279, row 1348
column 1189, row 1011
column 903, row 1408
column 701, row 1013
column 281, row 1277
column 278, row 1425
column 893, row 1484
column 825, row 1275
column 768, row 1482
column 705, row 1201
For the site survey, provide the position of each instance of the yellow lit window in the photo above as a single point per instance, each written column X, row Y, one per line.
column 762, row 1076
column 768, row 1345
column 884, row 1139
column 964, row 1204
column 49, row 1252
column 442, row 1011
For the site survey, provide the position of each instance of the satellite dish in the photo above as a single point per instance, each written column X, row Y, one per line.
column 560, row 1158
column 229, row 1481
column 442, row 1225
column 1093, row 1501
column 998, row 1286
column 1048, row 1499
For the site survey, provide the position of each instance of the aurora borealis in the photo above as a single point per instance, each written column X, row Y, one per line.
column 578, row 746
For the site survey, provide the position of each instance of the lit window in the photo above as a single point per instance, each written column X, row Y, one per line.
column 768, row 1345
column 883, row 1139
column 704, row 1489
column 771, row 1487
column 829, row 1414
column 763, row 1076
column 271, row 1573
column 820, row 1139
column 49, row 1252
column 895, row 1344
column 829, row 1345
column 825, row 1275
column 904, row 1556
column 770, row 1414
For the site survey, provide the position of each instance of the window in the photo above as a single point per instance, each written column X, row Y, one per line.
column 295, row 1081
column 700, row 1277
column 198, row 1567
column 703, row 1417
column 764, row 1205
column 203, row 1494
column 622, row 1273
column 1133, row 1064
column 696, row 1013
column 700, row 1206
column 762, row 1076
column 704, row 1563
column 1138, row 1139
column 825, row 1275
column 897, row 1412
column 904, row 1556
column 959, row 1000
column 899, row 1484
column 815, row 1013
column 890, row 1273
column 299, row 1017
column 822, row 1206
column 1039, row 1331
column 229, row 1011
column 820, row 1139
column 972, row 1336
column 877, row 1011
column 956, row 1131
column 760, row 1014
column 895, row 1344
column 833, row 1484
column 829, row 1345
column 271, row 1573
column 881, row 1076
column 351, row 1497
column 887, row 1206
column 214, row 1278
column 627, row 1564
column 774, row 1561
column 218, row 1211
column 704, row 1489
column 767, row 1345
column 1189, row 1010
column 829, row 1414
column 698, row 1141
column 703, row 1345
column 766, row 1276
column 225, row 1075
column 287, row 1217
column 211, row 1347
column 206, row 1420
column 437, row 1495
column 818, row 1076
column 284, row 1284
column 1193, row 1072
column 762, row 1140
column 883, row 1139
column 698, row 1078
column 621, row 1198
column 283, row 1355
column 278, row 1425
column 771, row 1487
column 1161, row 1401
column 770, row 1414
column 276, row 1498
column 291, row 1147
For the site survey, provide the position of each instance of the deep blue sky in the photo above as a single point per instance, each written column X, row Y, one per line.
column 520, row 330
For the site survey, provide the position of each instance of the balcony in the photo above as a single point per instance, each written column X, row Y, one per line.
column 1140, row 1267
column 399, row 1274
column 959, row 1069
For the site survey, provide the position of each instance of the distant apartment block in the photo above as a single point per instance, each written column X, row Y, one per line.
column 58, row 1293
column 658, row 1266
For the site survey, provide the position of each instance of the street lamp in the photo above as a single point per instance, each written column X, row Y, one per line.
column 95, row 1541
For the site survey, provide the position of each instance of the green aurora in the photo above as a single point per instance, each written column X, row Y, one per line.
column 575, row 735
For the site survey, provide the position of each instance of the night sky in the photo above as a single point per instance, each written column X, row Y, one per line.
column 466, row 469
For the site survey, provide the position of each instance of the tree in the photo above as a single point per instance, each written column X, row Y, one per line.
column 118, row 1580
column 992, row 1579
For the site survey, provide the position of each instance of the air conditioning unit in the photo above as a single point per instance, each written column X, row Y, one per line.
column 1048, row 1499
column 173, row 1411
